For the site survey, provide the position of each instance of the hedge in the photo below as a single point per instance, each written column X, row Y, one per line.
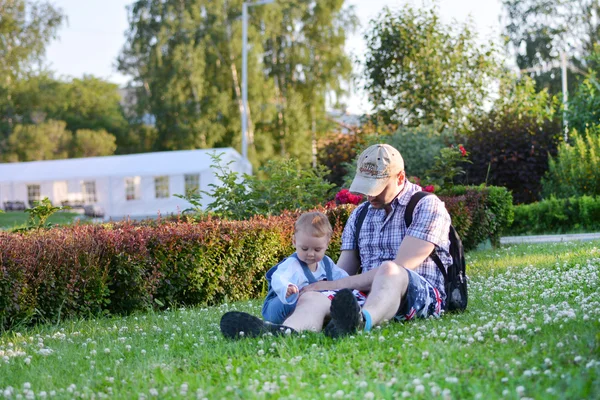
column 557, row 216
column 88, row 270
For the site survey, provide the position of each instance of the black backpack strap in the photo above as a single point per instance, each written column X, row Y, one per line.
column 307, row 272
column 360, row 218
column 328, row 263
column 408, row 217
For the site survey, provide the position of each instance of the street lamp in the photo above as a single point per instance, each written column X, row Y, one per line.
column 245, row 72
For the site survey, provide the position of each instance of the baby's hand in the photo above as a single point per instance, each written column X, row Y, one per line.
column 291, row 289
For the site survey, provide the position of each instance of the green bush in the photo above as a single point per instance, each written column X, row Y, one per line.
column 83, row 270
column 575, row 171
column 284, row 186
column 575, row 214
column 479, row 212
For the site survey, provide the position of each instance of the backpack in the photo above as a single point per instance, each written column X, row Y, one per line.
column 327, row 263
column 455, row 278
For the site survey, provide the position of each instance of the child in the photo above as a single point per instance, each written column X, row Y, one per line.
column 309, row 264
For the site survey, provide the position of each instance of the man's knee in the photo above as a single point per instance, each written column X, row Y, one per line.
column 310, row 298
column 391, row 269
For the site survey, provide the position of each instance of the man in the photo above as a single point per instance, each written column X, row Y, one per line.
column 403, row 282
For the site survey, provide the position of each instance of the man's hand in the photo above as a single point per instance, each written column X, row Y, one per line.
column 321, row 285
column 291, row 289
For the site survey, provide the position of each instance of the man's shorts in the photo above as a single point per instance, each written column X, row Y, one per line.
column 360, row 296
column 422, row 300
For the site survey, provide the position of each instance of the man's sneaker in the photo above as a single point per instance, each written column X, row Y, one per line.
column 237, row 325
column 346, row 317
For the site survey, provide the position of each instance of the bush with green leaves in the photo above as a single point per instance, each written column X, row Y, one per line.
column 575, row 171
column 418, row 146
column 554, row 215
column 284, row 185
column 478, row 213
column 447, row 167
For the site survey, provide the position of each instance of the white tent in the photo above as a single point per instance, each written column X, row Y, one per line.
column 135, row 185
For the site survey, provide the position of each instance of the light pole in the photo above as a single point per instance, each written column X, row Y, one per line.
column 245, row 72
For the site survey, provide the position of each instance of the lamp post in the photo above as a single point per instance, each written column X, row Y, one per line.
column 245, row 6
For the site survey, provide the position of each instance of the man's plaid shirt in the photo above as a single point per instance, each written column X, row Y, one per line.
column 381, row 234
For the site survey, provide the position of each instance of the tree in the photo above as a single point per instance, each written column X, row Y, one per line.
column 46, row 141
column 185, row 58
column 91, row 103
column 584, row 107
column 88, row 103
column 537, row 31
column 88, row 143
column 509, row 145
column 26, row 27
column 419, row 70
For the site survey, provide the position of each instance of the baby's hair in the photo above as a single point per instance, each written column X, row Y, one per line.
column 314, row 223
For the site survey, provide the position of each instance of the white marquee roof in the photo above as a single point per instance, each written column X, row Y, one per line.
column 144, row 164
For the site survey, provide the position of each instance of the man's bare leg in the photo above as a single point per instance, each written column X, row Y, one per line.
column 389, row 286
column 311, row 310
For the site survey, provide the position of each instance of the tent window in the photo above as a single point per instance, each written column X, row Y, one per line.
column 33, row 194
column 192, row 183
column 132, row 188
column 89, row 192
column 161, row 187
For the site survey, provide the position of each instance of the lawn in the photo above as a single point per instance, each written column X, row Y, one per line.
column 12, row 219
column 532, row 330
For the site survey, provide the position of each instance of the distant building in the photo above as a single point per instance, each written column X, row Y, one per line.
column 135, row 185
column 345, row 122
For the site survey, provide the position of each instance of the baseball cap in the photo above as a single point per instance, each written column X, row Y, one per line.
column 374, row 168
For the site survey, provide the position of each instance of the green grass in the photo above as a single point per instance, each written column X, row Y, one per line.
column 532, row 330
column 16, row 219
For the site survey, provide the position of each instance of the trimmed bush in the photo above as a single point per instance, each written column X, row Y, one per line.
column 48, row 275
column 479, row 212
column 554, row 215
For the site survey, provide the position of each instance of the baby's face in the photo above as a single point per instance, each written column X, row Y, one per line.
column 310, row 249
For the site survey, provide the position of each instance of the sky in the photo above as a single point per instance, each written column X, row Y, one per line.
column 95, row 34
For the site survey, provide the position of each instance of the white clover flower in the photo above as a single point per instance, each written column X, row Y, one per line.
column 419, row 389
column 45, row 352
column 369, row 395
column 106, row 350
column 153, row 392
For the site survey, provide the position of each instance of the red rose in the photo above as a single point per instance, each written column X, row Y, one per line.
column 463, row 151
column 429, row 188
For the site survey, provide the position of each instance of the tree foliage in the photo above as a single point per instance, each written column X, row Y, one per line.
column 420, row 70
column 584, row 107
column 45, row 141
column 510, row 145
column 26, row 27
column 185, row 58
column 537, row 31
column 89, row 143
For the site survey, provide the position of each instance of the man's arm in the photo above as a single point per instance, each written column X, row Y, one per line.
column 413, row 252
column 360, row 282
column 349, row 261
